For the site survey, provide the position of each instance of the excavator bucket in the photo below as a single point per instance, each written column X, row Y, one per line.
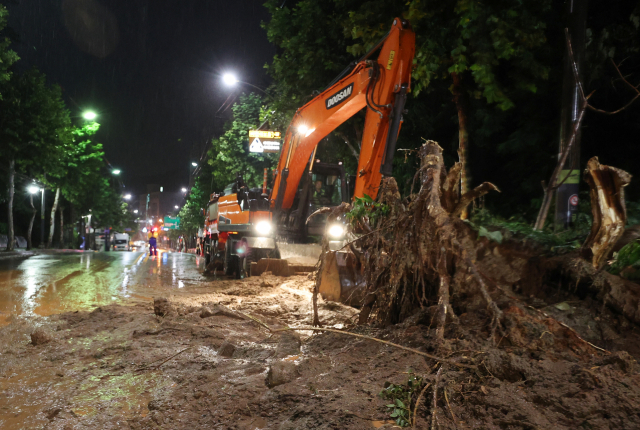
column 341, row 280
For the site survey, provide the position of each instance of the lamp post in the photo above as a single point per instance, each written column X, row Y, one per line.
column 231, row 80
column 89, row 115
column 33, row 189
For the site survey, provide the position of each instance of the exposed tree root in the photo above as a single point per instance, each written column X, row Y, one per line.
column 419, row 254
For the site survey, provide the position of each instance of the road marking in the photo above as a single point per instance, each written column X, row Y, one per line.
column 139, row 258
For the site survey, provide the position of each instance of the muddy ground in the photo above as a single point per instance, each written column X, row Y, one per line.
column 115, row 367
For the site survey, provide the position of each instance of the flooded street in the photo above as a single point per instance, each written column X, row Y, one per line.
column 49, row 284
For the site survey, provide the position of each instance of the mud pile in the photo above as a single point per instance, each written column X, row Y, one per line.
column 210, row 363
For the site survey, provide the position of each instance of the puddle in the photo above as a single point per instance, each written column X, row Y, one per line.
column 379, row 424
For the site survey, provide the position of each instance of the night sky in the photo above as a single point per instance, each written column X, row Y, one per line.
column 150, row 69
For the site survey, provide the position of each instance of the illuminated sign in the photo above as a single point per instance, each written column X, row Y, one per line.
column 171, row 223
column 265, row 134
column 259, row 145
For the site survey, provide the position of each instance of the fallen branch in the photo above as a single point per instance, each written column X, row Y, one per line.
column 446, row 398
column 415, row 409
column 434, row 409
column 168, row 359
column 362, row 336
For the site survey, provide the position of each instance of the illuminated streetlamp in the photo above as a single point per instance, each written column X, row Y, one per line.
column 194, row 164
column 177, row 207
column 89, row 115
column 231, row 80
column 127, row 197
column 184, row 190
column 33, row 189
column 115, row 172
column 135, row 211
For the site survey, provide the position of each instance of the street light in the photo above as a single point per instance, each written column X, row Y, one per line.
column 115, row 172
column 184, row 190
column 135, row 211
column 194, row 164
column 89, row 115
column 33, row 189
column 177, row 207
column 231, row 80
column 127, row 197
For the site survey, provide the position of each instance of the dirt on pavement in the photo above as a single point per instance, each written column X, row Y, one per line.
column 208, row 362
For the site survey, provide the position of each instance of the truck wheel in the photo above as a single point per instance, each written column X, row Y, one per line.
column 229, row 260
column 241, row 265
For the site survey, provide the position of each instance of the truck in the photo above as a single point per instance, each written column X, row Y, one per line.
column 120, row 242
column 238, row 228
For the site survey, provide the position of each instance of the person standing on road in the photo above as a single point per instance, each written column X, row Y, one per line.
column 153, row 249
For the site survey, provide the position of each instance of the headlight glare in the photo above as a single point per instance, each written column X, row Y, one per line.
column 263, row 227
column 336, row 231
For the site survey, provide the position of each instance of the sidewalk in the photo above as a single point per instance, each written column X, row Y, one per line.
column 23, row 253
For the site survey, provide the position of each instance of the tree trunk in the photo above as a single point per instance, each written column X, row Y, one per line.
column 52, row 222
column 12, row 189
column 61, row 214
column 33, row 217
column 463, row 137
column 606, row 185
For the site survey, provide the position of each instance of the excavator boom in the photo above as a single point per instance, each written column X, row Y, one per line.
column 380, row 85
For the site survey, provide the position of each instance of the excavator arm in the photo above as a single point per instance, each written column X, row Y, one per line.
column 380, row 85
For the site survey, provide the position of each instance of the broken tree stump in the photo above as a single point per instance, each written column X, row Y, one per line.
column 606, row 185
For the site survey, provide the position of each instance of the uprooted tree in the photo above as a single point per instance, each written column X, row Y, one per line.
column 420, row 249
column 417, row 253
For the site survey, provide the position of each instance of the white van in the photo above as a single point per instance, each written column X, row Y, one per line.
column 120, row 242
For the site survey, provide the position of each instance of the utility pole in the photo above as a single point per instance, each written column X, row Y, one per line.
column 42, row 219
column 567, row 193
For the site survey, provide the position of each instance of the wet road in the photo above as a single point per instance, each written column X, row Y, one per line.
column 49, row 284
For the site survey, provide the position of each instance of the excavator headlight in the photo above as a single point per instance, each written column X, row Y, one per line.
column 263, row 227
column 336, row 231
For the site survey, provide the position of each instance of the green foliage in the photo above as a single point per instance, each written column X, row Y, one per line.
column 626, row 262
column 401, row 396
column 229, row 154
column 191, row 217
column 367, row 209
column 497, row 229
column 465, row 37
column 7, row 56
column 34, row 123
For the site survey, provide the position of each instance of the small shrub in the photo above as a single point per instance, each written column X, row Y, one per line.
column 401, row 396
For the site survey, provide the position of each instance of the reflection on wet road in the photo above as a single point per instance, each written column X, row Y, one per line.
column 49, row 284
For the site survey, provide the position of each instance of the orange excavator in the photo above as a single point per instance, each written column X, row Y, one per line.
column 301, row 183
column 380, row 86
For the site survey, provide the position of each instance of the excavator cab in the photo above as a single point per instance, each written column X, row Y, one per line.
column 323, row 186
